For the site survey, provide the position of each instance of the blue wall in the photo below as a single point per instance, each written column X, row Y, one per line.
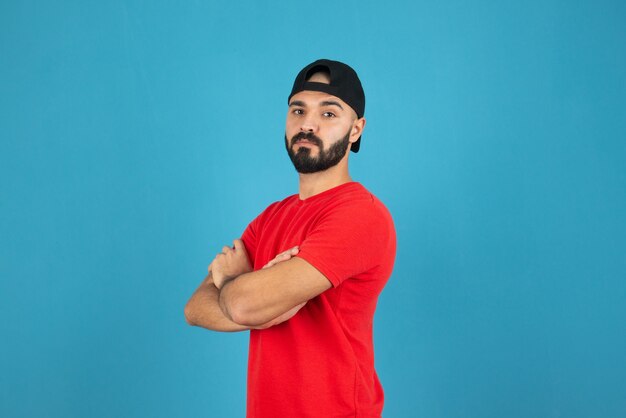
column 138, row 137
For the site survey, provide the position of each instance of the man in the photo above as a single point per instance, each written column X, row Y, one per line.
column 306, row 274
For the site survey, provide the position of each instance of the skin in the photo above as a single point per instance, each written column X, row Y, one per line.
column 328, row 122
column 203, row 307
column 233, row 297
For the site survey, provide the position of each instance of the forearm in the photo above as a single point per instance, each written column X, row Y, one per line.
column 268, row 320
column 236, row 307
column 248, row 300
column 259, row 297
column 203, row 310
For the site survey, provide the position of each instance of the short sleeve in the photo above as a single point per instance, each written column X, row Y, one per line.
column 350, row 240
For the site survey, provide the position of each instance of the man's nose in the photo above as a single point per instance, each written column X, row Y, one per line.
column 309, row 123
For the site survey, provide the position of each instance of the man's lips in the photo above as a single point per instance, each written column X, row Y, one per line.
column 305, row 142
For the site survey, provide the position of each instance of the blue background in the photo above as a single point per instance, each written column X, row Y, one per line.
column 138, row 137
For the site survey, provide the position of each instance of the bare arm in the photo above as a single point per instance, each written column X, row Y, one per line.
column 203, row 309
column 256, row 297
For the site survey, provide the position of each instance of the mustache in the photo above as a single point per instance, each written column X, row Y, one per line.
column 309, row 136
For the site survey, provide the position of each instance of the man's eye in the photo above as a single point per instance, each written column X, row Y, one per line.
column 329, row 114
column 298, row 112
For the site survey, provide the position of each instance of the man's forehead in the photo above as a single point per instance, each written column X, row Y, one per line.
column 312, row 98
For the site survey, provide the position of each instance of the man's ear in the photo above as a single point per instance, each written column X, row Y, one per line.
column 357, row 129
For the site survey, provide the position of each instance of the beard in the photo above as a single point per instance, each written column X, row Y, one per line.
column 326, row 158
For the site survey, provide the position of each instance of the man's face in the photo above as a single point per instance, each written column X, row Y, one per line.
column 318, row 131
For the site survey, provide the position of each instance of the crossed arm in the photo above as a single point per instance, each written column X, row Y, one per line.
column 234, row 298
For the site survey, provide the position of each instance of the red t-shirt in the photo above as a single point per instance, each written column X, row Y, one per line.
column 320, row 363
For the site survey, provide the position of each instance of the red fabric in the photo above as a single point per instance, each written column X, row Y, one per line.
column 320, row 363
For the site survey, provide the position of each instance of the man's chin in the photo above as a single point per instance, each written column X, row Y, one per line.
column 306, row 165
column 307, row 149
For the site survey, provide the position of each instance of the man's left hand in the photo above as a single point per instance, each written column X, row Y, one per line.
column 230, row 263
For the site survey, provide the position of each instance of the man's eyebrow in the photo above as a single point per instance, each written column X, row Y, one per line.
column 324, row 103
column 331, row 103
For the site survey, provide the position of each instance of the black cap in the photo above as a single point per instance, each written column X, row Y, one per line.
column 344, row 83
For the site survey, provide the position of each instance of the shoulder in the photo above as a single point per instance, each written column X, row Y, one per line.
column 362, row 204
column 355, row 215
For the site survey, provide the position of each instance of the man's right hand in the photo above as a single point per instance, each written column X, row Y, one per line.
column 230, row 263
column 284, row 256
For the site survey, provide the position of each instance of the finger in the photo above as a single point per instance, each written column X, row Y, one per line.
column 270, row 264
column 240, row 247
column 226, row 249
column 292, row 251
column 289, row 252
column 283, row 257
column 277, row 259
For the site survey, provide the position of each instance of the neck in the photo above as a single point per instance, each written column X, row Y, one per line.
column 314, row 183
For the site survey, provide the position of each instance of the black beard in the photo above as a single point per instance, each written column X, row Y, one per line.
column 305, row 164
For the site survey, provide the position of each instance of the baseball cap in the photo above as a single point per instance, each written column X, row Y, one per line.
column 344, row 83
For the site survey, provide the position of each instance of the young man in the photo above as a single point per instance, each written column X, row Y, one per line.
column 306, row 274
